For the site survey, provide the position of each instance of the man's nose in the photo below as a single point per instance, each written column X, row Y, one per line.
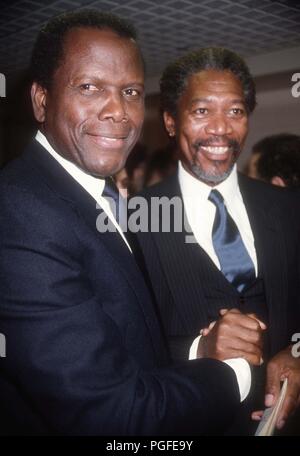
column 113, row 108
column 219, row 125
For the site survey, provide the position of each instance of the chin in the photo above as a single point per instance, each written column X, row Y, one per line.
column 105, row 171
column 212, row 177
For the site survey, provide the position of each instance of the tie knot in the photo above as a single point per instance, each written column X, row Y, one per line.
column 110, row 189
column 216, row 198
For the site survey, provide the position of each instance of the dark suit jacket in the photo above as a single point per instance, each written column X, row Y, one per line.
column 85, row 353
column 180, row 275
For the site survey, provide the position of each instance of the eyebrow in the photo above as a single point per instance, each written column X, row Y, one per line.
column 238, row 100
column 97, row 79
column 210, row 100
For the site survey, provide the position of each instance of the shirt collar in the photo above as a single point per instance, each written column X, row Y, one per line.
column 93, row 185
column 191, row 186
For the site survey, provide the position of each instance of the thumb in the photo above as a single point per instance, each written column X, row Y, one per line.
column 206, row 331
column 272, row 385
column 223, row 311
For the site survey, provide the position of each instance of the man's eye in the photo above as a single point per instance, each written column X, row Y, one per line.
column 132, row 93
column 237, row 111
column 201, row 111
column 88, row 87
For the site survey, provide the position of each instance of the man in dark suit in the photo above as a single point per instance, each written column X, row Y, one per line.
column 84, row 350
column 236, row 257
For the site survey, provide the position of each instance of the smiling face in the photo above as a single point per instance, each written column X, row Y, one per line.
column 211, row 125
column 93, row 113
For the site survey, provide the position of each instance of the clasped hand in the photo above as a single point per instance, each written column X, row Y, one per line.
column 234, row 335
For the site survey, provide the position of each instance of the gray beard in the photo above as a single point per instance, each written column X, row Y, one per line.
column 208, row 178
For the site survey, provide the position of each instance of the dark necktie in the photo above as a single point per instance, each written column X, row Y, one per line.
column 118, row 207
column 111, row 191
column 233, row 256
column 119, row 210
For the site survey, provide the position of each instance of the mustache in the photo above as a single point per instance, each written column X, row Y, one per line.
column 232, row 143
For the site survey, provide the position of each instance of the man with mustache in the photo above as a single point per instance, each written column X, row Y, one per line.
column 84, row 349
column 238, row 279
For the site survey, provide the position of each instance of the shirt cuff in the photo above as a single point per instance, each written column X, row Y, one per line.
column 194, row 348
column 239, row 365
column 243, row 375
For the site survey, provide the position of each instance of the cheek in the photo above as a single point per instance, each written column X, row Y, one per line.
column 75, row 113
column 78, row 116
column 242, row 131
column 185, row 145
column 188, row 134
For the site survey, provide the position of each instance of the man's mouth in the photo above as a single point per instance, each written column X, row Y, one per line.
column 215, row 153
column 108, row 140
column 216, row 150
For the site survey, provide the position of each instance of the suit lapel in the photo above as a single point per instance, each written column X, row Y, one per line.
column 190, row 300
column 265, row 221
column 66, row 188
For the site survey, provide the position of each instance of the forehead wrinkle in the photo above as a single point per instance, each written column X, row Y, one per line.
column 98, row 60
column 211, row 98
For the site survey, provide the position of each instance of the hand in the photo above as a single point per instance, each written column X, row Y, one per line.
column 206, row 331
column 234, row 335
column 279, row 367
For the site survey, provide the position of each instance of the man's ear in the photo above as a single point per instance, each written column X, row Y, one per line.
column 169, row 123
column 276, row 180
column 38, row 98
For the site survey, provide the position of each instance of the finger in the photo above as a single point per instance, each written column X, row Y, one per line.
column 244, row 345
column 253, row 323
column 290, row 402
column 257, row 415
column 287, row 409
column 223, row 311
column 240, row 337
column 262, row 325
column 242, row 320
column 211, row 325
column 251, row 336
column 272, row 384
column 231, row 311
column 206, row 331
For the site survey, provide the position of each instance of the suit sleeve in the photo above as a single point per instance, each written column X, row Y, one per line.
column 178, row 345
column 67, row 363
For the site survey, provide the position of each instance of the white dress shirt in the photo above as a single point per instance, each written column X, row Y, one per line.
column 201, row 212
column 93, row 185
